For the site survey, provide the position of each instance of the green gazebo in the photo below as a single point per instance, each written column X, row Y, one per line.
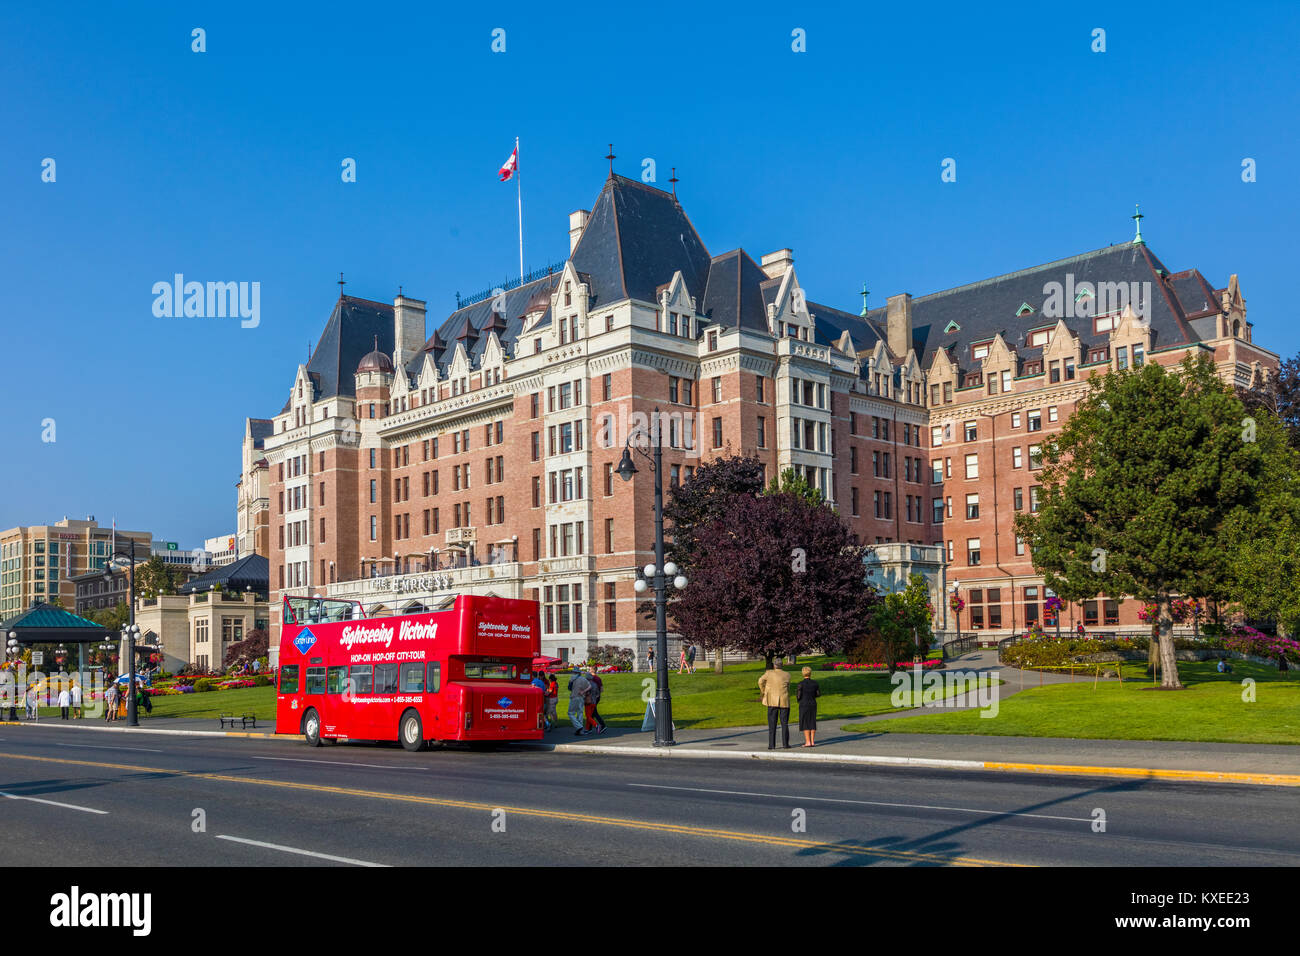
column 47, row 624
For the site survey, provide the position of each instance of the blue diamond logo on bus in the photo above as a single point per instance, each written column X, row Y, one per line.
column 504, row 702
column 304, row 641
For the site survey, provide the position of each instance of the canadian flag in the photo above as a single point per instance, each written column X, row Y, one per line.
column 511, row 165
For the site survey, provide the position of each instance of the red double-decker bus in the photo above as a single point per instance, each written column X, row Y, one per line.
column 454, row 674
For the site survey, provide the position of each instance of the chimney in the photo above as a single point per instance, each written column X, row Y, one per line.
column 898, row 324
column 577, row 223
column 408, row 328
column 777, row 264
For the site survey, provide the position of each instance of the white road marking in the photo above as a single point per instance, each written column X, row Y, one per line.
column 291, row 849
column 147, row 750
column 866, row 803
column 53, row 803
column 341, row 763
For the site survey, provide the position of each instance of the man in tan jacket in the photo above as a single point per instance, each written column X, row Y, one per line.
column 775, row 685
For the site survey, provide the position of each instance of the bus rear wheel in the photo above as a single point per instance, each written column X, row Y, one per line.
column 311, row 728
column 411, row 731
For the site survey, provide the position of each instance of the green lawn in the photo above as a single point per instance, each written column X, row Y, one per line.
column 1210, row 710
column 704, row 699
column 241, row 700
column 707, row 700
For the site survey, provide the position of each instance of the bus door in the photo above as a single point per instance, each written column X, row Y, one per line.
column 313, row 689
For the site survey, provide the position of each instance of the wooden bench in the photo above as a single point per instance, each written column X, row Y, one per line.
column 244, row 720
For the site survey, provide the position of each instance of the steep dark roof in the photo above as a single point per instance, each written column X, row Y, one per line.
column 349, row 334
column 984, row 309
column 260, row 429
column 636, row 237
column 1195, row 295
column 471, row 325
column 832, row 323
column 732, row 297
column 253, row 572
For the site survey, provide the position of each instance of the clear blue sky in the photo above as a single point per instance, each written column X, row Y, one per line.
column 225, row 165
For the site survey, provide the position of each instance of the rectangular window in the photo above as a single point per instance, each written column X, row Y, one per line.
column 1035, row 419
column 973, row 552
column 1051, row 414
column 289, row 679
column 717, row 431
column 1033, row 499
column 609, row 535
column 363, row 679
column 1020, row 545
column 937, row 504
column 607, row 386
column 971, row 431
column 972, row 506
column 972, row 466
column 1017, row 459
column 1018, row 498
column 1035, row 457
column 412, row 678
column 385, row 678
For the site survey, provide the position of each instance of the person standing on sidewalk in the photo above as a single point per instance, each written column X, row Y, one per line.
column 595, row 722
column 807, row 694
column 539, row 682
column 65, row 702
column 110, row 702
column 31, row 702
column 76, row 701
column 650, row 658
column 775, row 685
column 578, row 688
column 552, row 700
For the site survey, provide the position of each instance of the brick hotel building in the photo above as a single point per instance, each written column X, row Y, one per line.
column 410, row 465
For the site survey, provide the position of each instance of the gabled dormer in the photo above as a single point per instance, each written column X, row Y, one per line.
column 998, row 364
column 1130, row 339
column 493, row 360
column 942, row 378
column 1062, row 352
column 1234, row 311
column 844, row 345
column 677, row 308
column 458, row 370
column 788, row 315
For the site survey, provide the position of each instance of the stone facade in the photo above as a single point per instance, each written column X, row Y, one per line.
column 484, row 453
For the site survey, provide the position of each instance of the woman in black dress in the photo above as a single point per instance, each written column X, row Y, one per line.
column 808, row 693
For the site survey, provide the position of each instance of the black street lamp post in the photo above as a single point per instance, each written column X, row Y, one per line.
column 131, row 630
column 657, row 576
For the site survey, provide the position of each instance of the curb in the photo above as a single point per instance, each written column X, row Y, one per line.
column 1201, row 776
column 152, row 730
column 934, row 763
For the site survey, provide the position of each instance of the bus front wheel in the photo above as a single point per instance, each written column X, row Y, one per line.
column 412, row 731
column 311, row 728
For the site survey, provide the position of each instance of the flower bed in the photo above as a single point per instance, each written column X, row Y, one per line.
column 928, row 665
column 1246, row 640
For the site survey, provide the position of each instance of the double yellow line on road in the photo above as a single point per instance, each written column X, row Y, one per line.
column 882, row 853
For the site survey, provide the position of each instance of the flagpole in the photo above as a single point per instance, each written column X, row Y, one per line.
column 519, row 192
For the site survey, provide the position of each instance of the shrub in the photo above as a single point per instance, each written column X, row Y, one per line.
column 261, row 680
column 609, row 655
column 202, row 685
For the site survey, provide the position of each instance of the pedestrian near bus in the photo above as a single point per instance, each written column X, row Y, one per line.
column 807, row 694
column 31, row 702
column 595, row 723
column 578, row 686
column 65, row 703
column 552, row 699
column 110, row 702
column 76, row 701
column 775, row 685
column 539, row 682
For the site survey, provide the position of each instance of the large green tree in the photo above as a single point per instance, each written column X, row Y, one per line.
column 154, row 577
column 1139, row 488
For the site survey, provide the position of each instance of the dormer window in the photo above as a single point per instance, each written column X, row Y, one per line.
column 978, row 352
column 951, row 327
column 1104, row 323
column 1025, row 309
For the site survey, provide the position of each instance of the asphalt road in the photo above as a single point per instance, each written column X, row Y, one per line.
column 141, row 800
